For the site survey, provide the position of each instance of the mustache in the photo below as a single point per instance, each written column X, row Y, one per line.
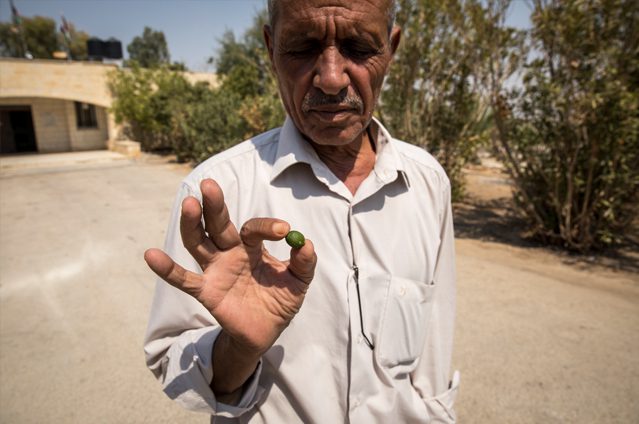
column 318, row 98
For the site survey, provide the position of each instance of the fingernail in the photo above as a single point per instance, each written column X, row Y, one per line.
column 280, row 228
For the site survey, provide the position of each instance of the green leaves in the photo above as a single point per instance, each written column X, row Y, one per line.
column 163, row 111
column 435, row 94
column 150, row 49
column 564, row 118
column 576, row 121
column 38, row 36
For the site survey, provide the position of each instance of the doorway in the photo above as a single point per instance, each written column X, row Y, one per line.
column 16, row 130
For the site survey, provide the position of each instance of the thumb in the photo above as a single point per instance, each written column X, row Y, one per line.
column 303, row 261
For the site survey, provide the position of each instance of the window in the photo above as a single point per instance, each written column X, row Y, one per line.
column 85, row 115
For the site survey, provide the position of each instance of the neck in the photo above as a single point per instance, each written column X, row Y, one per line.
column 350, row 163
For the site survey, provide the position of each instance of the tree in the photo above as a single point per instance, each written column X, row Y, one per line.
column 244, row 68
column 39, row 37
column 10, row 45
column 75, row 41
column 149, row 50
column 433, row 95
column 132, row 90
column 570, row 136
column 163, row 111
column 36, row 35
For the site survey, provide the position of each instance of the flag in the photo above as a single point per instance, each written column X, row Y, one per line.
column 17, row 29
column 15, row 16
column 65, row 29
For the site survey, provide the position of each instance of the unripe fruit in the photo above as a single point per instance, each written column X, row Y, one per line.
column 295, row 239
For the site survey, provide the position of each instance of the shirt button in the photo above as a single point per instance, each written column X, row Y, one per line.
column 360, row 339
column 402, row 290
column 355, row 403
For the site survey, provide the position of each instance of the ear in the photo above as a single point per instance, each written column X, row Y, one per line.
column 395, row 37
column 267, row 32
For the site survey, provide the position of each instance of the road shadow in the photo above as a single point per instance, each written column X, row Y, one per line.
column 496, row 220
column 490, row 220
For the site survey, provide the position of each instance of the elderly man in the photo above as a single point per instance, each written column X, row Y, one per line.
column 240, row 332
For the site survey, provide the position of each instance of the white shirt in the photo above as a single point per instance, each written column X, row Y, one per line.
column 396, row 231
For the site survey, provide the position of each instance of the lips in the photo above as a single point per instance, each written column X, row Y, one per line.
column 332, row 113
column 332, row 108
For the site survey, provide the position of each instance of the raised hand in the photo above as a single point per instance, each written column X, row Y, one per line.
column 251, row 294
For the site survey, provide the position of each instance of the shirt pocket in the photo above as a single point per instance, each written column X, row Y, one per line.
column 403, row 324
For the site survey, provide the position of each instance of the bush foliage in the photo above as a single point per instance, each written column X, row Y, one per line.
column 570, row 136
column 560, row 104
column 163, row 111
column 38, row 36
column 432, row 97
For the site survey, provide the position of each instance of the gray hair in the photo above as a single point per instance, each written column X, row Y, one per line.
column 392, row 12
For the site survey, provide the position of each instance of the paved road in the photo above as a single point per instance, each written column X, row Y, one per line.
column 75, row 292
column 537, row 340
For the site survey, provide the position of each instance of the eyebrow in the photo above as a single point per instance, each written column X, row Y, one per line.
column 357, row 36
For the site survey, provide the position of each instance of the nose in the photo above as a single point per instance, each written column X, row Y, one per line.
column 330, row 73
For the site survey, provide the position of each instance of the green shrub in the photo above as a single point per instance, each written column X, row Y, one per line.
column 164, row 112
column 570, row 136
column 432, row 96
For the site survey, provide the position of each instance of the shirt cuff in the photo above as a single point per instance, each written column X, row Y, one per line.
column 440, row 408
column 189, row 373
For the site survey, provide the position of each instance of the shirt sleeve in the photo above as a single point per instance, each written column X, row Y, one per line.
column 180, row 335
column 431, row 376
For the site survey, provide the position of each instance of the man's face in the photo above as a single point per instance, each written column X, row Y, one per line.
column 330, row 58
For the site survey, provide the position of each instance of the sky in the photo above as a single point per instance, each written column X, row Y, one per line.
column 192, row 27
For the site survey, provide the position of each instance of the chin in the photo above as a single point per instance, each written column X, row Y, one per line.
column 334, row 136
column 326, row 134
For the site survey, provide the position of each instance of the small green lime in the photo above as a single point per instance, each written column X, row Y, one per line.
column 295, row 239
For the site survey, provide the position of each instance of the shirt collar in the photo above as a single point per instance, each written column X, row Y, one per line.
column 292, row 148
column 388, row 162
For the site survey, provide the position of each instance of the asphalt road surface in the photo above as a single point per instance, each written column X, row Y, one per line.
column 538, row 340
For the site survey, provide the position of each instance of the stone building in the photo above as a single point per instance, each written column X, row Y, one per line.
column 57, row 106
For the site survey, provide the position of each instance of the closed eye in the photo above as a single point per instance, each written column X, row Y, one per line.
column 358, row 51
column 301, row 50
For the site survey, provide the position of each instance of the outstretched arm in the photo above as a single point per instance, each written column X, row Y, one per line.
column 251, row 294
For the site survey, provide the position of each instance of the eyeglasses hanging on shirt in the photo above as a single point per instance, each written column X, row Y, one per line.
column 359, row 304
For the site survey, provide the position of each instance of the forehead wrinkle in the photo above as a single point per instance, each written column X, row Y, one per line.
column 360, row 4
column 388, row 8
column 331, row 22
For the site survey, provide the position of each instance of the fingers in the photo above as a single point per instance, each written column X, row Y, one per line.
column 172, row 273
column 192, row 231
column 303, row 261
column 217, row 223
column 256, row 230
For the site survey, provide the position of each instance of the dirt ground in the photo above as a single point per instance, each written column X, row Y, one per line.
column 542, row 336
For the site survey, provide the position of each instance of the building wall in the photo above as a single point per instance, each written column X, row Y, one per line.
column 195, row 77
column 87, row 138
column 58, row 79
column 82, row 81
column 55, row 126
column 51, row 87
column 49, row 122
